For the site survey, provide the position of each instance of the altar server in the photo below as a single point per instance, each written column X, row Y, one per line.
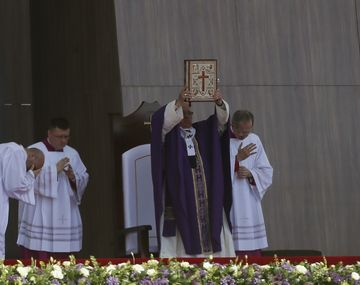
column 53, row 226
column 251, row 178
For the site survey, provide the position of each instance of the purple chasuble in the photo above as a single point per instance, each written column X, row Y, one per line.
column 194, row 197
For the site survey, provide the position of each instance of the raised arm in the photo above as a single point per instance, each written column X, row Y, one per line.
column 174, row 112
column 222, row 111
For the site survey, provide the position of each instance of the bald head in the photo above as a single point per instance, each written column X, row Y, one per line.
column 35, row 157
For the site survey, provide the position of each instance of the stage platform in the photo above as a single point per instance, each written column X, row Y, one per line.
column 251, row 260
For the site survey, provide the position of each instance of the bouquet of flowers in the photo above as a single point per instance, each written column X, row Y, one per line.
column 160, row 272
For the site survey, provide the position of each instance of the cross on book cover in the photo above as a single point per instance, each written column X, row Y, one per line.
column 201, row 78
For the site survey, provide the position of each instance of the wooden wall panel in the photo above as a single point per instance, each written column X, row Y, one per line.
column 297, row 42
column 15, row 72
column 256, row 42
column 154, row 40
column 296, row 65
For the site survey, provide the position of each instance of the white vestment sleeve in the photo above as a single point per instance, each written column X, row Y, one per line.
column 18, row 183
column 172, row 116
column 47, row 182
column 262, row 172
column 82, row 178
column 222, row 113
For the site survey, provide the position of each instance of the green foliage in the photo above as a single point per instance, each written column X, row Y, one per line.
column 158, row 272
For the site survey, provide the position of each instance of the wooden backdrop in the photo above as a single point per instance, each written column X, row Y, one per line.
column 295, row 64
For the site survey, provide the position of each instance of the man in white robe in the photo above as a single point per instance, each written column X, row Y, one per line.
column 53, row 226
column 18, row 169
column 172, row 223
column 251, row 178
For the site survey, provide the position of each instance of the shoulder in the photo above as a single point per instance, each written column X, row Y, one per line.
column 254, row 137
column 12, row 149
column 38, row 145
column 13, row 146
column 70, row 150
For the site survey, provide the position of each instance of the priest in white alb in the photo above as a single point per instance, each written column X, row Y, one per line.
column 53, row 226
column 251, row 178
column 18, row 169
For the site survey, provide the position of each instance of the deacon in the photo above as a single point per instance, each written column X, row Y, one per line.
column 251, row 178
column 53, row 227
column 191, row 180
column 18, row 169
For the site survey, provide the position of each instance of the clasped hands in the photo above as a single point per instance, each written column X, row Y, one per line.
column 244, row 153
column 64, row 165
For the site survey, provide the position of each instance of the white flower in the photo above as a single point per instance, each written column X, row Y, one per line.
column 234, row 268
column 184, row 264
column 207, row 265
column 66, row 263
column 153, row 262
column 122, row 264
column 32, row 279
column 151, row 272
column 110, row 268
column 57, row 273
column 57, row 267
column 355, row 276
column 301, row 269
column 23, row 271
column 138, row 268
column 265, row 267
column 84, row 272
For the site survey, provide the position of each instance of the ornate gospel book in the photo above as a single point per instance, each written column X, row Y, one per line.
column 201, row 79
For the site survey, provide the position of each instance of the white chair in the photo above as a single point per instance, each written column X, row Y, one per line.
column 139, row 213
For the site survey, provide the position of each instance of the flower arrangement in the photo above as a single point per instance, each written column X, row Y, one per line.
column 155, row 272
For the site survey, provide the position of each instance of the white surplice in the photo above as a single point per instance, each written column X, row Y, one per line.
column 16, row 183
column 54, row 223
column 248, row 226
column 173, row 246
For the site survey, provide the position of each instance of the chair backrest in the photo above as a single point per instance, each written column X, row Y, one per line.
column 138, row 195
